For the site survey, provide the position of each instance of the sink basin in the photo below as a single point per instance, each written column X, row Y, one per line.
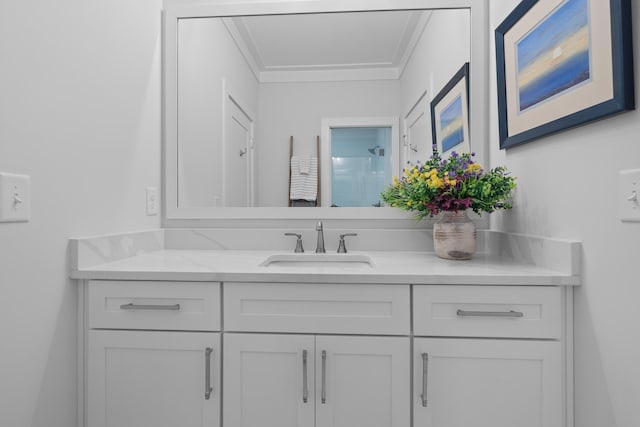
column 319, row 260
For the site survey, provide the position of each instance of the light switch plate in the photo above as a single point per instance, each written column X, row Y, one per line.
column 629, row 195
column 15, row 197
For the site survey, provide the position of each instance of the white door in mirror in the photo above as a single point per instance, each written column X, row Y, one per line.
column 15, row 197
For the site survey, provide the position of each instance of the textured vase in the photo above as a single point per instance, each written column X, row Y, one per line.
column 454, row 236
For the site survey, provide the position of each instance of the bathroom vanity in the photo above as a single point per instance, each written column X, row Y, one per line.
column 226, row 326
column 172, row 336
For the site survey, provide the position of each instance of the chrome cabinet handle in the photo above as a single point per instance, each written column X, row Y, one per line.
column 324, row 377
column 132, row 306
column 510, row 313
column 425, row 369
column 207, row 373
column 305, row 386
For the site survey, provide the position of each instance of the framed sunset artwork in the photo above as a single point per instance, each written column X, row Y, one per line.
column 450, row 115
column 561, row 64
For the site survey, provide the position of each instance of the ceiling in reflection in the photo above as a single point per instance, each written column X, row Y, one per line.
column 297, row 47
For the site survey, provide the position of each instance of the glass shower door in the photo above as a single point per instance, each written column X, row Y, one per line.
column 360, row 165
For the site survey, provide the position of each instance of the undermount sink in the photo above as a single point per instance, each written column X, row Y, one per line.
column 319, row 260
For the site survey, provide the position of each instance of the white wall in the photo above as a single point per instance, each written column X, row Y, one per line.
column 80, row 113
column 567, row 188
column 436, row 57
column 286, row 109
column 208, row 55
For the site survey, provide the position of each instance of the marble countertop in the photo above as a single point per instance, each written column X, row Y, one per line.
column 397, row 267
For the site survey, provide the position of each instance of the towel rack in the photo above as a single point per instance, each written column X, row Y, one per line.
column 318, row 174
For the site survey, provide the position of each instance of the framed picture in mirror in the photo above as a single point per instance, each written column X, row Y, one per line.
column 450, row 115
column 561, row 64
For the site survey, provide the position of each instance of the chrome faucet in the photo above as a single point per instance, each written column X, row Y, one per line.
column 320, row 246
column 342, row 249
column 299, row 248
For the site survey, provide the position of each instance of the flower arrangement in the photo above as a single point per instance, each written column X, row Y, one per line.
column 453, row 184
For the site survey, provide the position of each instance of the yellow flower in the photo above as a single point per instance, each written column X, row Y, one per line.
column 474, row 167
column 435, row 182
column 396, row 181
column 409, row 202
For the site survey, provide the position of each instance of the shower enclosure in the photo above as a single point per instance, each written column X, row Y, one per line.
column 360, row 165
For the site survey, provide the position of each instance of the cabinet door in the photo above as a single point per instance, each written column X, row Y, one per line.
column 141, row 379
column 362, row 381
column 487, row 383
column 268, row 380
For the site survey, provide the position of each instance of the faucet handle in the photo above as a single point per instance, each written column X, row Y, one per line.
column 299, row 248
column 342, row 249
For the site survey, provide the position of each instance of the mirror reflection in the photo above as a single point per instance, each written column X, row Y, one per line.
column 360, row 165
column 308, row 109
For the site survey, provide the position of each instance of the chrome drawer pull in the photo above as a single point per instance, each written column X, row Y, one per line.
column 132, row 306
column 305, row 387
column 324, row 377
column 425, row 367
column 510, row 313
column 207, row 373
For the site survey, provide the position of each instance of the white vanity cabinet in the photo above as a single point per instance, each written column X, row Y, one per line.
column 244, row 354
column 490, row 356
column 152, row 354
column 312, row 376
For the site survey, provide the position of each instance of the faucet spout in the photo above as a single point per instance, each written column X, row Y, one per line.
column 320, row 246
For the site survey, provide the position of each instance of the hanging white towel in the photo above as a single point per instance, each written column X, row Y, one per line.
column 303, row 186
column 305, row 164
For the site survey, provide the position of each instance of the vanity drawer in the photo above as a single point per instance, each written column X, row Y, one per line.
column 487, row 311
column 317, row 308
column 186, row 306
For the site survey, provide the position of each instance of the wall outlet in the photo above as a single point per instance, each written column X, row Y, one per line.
column 152, row 201
column 629, row 195
column 15, row 197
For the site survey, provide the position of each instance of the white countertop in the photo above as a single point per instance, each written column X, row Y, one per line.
column 396, row 267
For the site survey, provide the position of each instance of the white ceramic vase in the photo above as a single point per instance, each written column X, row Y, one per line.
column 454, row 236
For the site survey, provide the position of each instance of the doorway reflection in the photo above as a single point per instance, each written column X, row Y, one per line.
column 360, row 165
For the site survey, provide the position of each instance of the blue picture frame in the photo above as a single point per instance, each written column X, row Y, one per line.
column 450, row 115
column 545, row 61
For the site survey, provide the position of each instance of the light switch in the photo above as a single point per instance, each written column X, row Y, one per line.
column 15, row 197
column 629, row 195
